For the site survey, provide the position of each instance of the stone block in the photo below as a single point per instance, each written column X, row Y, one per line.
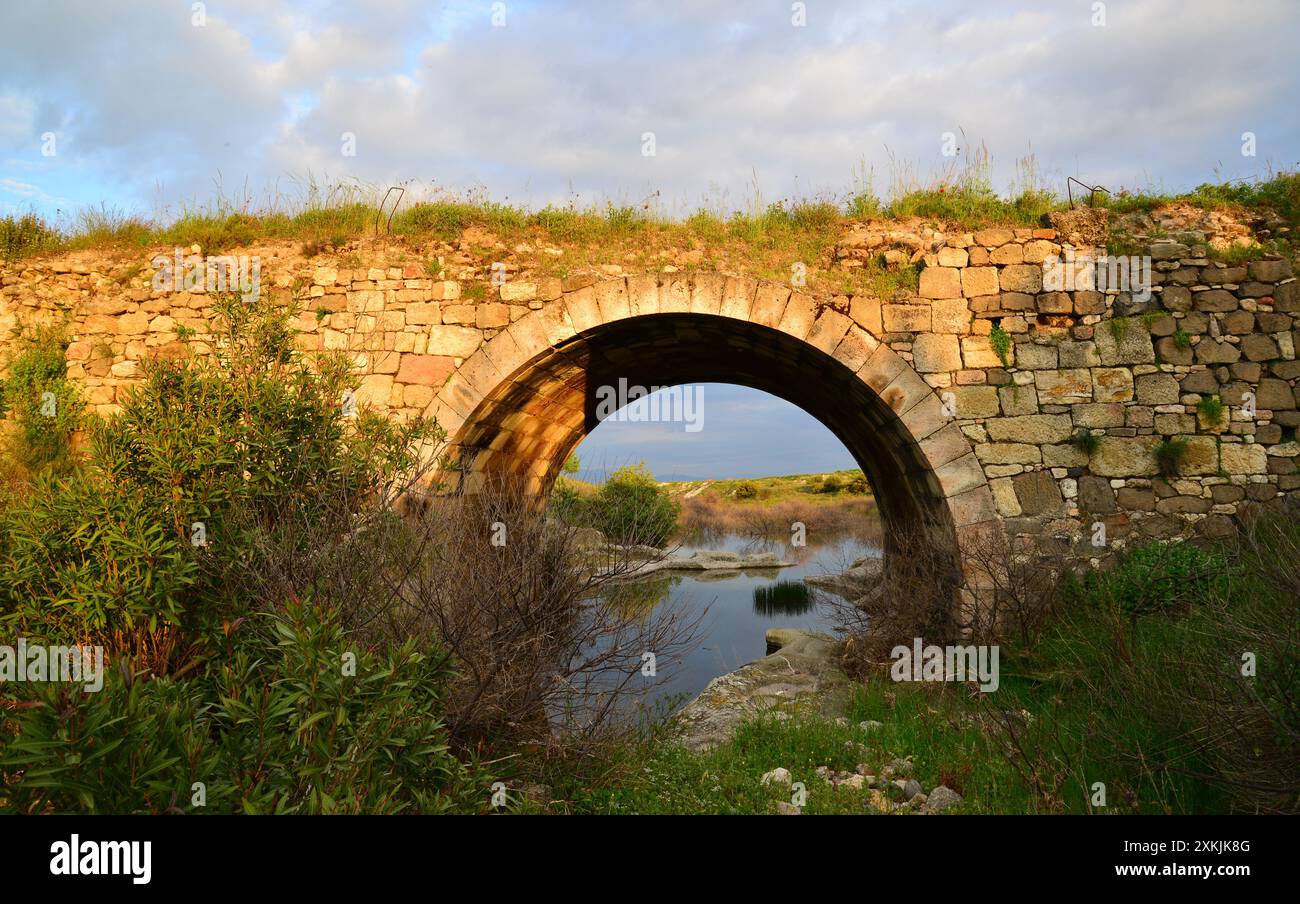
column 1038, row 493
column 1032, row 428
column 979, row 281
column 426, row 370
column 940, row 282
column 1112, row 384
column 1063, row 386
column 935, row 352
column 1026, row 278
column 906, row 318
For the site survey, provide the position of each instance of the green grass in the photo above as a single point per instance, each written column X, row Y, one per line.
column 665, row 778
column 1118, row 690
column 1170, row 454
column 1086, row 442
column 972, row 207
column 944, row 730
column 1212, row 409
column 765, row 239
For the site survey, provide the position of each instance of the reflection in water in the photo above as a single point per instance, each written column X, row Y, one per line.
column 783, row 598
column 738, row 606
column 639, row 597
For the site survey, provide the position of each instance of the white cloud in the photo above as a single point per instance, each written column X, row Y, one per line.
column 558, row 99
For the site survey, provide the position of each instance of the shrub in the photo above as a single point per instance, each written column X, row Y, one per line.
column 545, row 653
column 746, row 490
column 289, row 724
column 831, row 485
column 43, row 403
column 569, row 505
column 246, row 445
column 238, row 691
column 631, row 507
column 858, row 486
column 80, row 556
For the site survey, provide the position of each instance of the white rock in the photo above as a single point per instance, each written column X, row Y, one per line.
column 778, row 776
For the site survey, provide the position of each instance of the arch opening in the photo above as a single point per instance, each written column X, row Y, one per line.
column 529, row 423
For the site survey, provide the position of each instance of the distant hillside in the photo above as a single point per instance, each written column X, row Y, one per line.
column 824, row 485
column 818, row 486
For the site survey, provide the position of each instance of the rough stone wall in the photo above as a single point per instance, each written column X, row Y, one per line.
column 1129, row 371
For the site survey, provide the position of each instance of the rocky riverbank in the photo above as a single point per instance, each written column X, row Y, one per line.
column 802, row 666
column 854, row 582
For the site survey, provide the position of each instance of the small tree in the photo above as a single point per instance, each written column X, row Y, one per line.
column 631, row 507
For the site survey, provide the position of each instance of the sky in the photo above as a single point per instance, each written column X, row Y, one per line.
column 726, row 431
column 153, row 107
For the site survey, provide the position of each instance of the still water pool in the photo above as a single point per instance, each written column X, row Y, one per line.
column 737, row 608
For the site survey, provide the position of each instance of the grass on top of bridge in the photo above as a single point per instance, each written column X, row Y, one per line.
column 761, row 237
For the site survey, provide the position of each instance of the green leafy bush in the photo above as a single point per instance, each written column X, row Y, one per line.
column 291, row 723
column 80, row 557
column 43, row 403
column 746, row 490
column 245, row 445
column 857, row 486
column 569, row 505
column 630, row 507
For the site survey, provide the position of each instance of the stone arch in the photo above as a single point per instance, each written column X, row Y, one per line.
column 521, row 402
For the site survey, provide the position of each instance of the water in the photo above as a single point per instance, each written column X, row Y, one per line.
column 735, row 622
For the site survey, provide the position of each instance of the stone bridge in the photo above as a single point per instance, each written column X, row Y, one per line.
column 963, row 401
